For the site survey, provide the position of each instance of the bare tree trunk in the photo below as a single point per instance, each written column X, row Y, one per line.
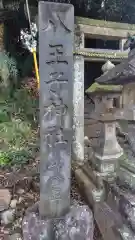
column 1, row 29
column 2, row 47
column 1, row 4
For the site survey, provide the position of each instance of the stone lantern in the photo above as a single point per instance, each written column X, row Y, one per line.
column 108, row 151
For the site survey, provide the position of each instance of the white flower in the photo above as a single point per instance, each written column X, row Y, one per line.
column 29, row 38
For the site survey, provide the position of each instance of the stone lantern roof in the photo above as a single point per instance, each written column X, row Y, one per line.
column 103, row 89
column 121, row 74
column 96, row 88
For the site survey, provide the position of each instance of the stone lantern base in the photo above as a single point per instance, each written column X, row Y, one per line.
column 108, row 151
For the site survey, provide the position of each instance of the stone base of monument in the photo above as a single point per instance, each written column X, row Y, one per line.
column 77, row 224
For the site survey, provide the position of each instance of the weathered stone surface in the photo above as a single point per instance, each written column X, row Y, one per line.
column 76, row 225
column 15, row 236
column 93, row 130
column 78, row 102
column 107, row 221
column 128, row 160
column 122, row 73
column 122, row 202
column 96, row 177
column 13, row 203
column 88, row 151
column 88, row 109
column 20, row 191
column 88, row 188
column 127, row 209
column 7, row 216
column 126, row 113
column 112, row 199
column 126, row 233
column 131, row 133
column 128, row 96
column 36, row 229
column 126, row 178
column 5, row 198
column 122, row 196
column 108, row 150
column 56, row 25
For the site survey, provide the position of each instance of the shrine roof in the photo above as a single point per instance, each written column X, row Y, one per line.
column 106, row 24
column 110, row 29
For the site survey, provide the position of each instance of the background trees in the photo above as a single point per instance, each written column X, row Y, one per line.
column 113, row 10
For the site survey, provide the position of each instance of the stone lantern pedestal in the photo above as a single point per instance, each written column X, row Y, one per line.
column 108, row 151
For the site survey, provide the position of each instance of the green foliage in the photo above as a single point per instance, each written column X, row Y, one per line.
column 18, row 139
column 4, row 160
column 3, row 116
column 8, row 70
column 113, row 10
column 23, row 105
column 15, row 134
column 14, row 157
column 15, row 138
column 26, row 106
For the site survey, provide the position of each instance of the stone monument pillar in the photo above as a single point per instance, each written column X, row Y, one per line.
column 78, row 100
column 55, row 218
column 56, row 40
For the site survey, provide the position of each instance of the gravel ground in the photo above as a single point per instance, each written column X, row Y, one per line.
column 24, row 189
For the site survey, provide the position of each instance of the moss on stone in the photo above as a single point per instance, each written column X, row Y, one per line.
column 123, row 157
column 97, row 87
column 105, row 24
column 106, row 55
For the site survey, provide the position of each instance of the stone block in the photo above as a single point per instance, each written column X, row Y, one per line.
column 126, row 178
column 34, row 228
column 91, row 193
column 128, row 163
column 126, row 233
column 131, row 135
column 5, row 198
column 123, row 203
column 107, row 221
column 108, row 150
column 77, row 224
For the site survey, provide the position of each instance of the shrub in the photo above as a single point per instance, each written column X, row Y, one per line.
column 26, row 105
column 16, row 137
column 14, row 157
column 8, row 70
